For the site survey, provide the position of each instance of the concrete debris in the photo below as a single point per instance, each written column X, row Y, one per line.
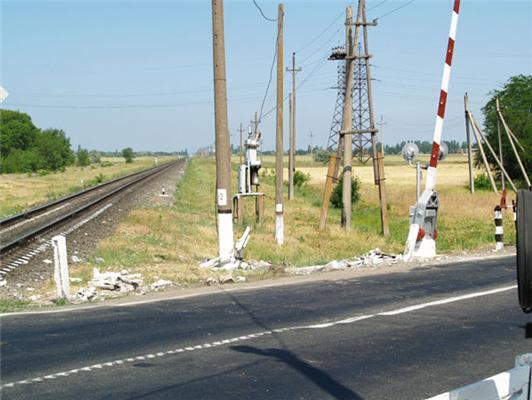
column 223, row 279
column 75, row 259
column 120, row 281
column 161, row 283
column 241, row 279
column 211, row 281
column 86, row 294
column 226, row 279
column 98, row 260
column 210, row 263
column 372, row 258
column 75, row 280
column 35, row 297
column 47, row 261
column 259, row 265
column 3, row 283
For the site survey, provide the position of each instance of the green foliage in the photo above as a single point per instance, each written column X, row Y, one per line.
column 128, row 154
column 25, row 148
column 300, row 178
column 95, row 156
column 482, row 182
column 515, row 100
column 336, row 197
column 321, row 156
column 83, row 158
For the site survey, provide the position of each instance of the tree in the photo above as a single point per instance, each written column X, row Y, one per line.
column 337, row 194
column 53, row 147
column 128, row 154
column 515, row 99
column 17, row 132
column 83, row 157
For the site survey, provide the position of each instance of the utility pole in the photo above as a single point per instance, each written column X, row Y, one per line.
column 347, row 120
column 223, row 155
column 311, row 136
column 255, row 123
column 469, row 150
column 241, row 140
column 279, row 219
column 378, row 157
column 290, row 158
column 503, row 186
column 381, row 124
column 292, row 155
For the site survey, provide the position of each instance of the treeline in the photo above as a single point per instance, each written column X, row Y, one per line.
column 26, row 148
column 425, row 147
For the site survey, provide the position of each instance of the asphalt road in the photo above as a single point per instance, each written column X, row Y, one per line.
column 392, row 336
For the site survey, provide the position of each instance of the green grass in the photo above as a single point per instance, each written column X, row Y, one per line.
column 13, row 305
column 170, row 241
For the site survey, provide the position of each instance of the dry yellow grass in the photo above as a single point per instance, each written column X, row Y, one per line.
column 22, row 191
column 170, row 241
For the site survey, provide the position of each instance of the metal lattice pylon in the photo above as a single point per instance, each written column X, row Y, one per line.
column 361, row 117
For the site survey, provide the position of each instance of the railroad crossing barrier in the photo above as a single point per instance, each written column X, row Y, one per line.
column 61, row 267
column 513, row 384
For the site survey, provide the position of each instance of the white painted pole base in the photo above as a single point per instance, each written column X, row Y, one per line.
column 225, row 237
column 61, row 267
column 279, row 229
column 424, row 248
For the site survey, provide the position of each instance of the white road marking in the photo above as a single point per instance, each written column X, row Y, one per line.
column 251, row 336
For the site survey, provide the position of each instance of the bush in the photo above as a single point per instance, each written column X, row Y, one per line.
column 482, row 182
column 321, row 156
column 83, row 157
column 336, row 198
column 128, row 154
column 301, row 179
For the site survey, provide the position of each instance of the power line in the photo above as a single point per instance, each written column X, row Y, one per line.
column 269, row 80
column 321, row 33
column 262, row 13
column 377, row 5
column 323, row 45
column 396, row 9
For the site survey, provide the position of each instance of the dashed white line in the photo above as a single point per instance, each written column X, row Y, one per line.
column 251, row 336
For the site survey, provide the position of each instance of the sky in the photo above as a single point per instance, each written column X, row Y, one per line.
column 139, row 73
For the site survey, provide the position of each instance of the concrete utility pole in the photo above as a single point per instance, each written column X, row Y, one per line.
column 292, row 154
column 503, row 186
column 378, row 157
column 241, row 143
column 290, row 158
column 279, row 219
column 347, row 120
column 223, row 151
column 469, row 150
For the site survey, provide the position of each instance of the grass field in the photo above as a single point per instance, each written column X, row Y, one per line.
column 22, row 191
column 170, row 241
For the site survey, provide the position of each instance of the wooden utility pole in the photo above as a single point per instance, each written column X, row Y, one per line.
column 469, row 150
column 510, row 134
column 378, row 157
column 292, row 152
column 381, row 124
column 279, row 219
column 503, row 186
column 223, row 151
column 241, row 144
column 347, row 121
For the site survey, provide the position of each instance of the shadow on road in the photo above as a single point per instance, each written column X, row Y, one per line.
column 317, row 376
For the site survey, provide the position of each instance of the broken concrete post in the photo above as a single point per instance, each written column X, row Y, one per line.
column 61, row 267
column 242, row 243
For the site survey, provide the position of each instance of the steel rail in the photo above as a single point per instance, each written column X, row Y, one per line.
column 27, row 236
column 35, row 210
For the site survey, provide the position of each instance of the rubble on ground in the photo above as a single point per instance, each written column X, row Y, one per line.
column 161, row 283
column 372, row 258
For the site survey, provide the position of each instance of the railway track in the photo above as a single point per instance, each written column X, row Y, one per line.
column 24, row 235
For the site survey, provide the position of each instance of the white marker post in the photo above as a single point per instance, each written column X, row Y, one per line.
column 61, row 267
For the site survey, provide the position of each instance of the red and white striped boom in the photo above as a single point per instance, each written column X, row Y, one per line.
column 431, row 172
